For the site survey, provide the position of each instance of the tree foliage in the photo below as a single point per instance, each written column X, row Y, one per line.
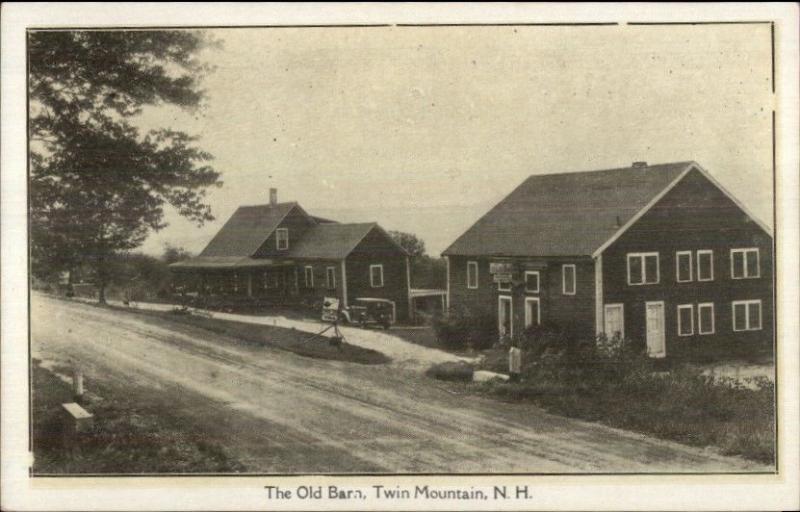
column 173, row 254
column 410, row 242
column 97, row 184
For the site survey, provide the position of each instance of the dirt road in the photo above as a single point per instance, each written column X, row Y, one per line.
column 282, row 413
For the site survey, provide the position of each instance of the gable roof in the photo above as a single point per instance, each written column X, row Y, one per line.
column 247, row 229
column 568, row 214
column 330, row 240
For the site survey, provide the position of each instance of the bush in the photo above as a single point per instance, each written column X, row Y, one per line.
column 453, row 371
column 462, row 329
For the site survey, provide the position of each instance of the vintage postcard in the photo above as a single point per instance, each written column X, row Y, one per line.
column 392, row 257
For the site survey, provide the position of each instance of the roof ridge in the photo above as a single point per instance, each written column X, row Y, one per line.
column 285, row 203
column 590, row 171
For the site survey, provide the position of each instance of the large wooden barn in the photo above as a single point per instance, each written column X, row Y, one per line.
column 278, row 253
column 661, row 254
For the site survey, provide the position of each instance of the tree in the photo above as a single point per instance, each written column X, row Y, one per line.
column 174, row 254
column 426, row 272
column 410, row 242
column 97, row 185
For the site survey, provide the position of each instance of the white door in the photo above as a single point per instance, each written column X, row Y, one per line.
column 505, row 321
column 614, row 320
column 532, row 314
column 655, row 329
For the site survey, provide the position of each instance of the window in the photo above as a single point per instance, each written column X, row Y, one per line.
column 309, row 276
column 330, row 277
column 643, row 268
column 705, row 265
column 532, row 281
column 376, row 276
column 532, row 311
column 683, row 266
column 472, row 274
column 705, row 318
column 282, row 238
column 504, row 286
column 568, row 279
column 745, row 264
column 685, row 320
column 746, row 315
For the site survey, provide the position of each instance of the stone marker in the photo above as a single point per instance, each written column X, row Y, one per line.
column 77, row 419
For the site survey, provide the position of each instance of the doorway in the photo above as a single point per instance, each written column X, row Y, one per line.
column 656, row 341
column 505, row 319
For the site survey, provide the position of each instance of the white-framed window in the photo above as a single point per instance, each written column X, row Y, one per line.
column 504, row 286
column 705, row 318
column 683, row 266
column 533, row 313
column 330, row 277
column 643, row 268
column 472, row 275
column 282, row 238
column 685, row 320
column 532, row 281
column 745, row 263
column 614, row 320
column 568, row 277
column 705, row 265
column 309, row 276
column 746, row 315
column 376, row 276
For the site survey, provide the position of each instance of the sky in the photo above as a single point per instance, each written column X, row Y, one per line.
column 424, row 129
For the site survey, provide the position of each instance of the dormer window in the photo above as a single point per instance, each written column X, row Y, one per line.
column 282, row 239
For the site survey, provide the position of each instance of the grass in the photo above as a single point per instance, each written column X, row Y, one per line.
column 679, row 405
column 424, row 336
column 292, row 340
column 454, row 371
column 127, row 436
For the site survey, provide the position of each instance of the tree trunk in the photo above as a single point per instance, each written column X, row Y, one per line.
column 101, row 293
column 101, row 280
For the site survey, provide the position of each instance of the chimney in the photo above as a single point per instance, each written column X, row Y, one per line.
column 273, row 196
column 639, row 165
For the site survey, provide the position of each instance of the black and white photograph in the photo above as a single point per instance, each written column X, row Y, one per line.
column 417, row 249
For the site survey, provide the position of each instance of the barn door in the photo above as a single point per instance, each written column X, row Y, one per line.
column 505, row 321
column 656, row 340
column 614, row 320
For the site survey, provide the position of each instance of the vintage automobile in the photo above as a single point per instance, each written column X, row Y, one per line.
column 368, row 311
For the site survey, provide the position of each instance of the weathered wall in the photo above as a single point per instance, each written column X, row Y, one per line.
column 695, row 215
column 376, row 249
column 575, row 312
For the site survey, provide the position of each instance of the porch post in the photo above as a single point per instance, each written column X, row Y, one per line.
column 344, row 284
column 598, row 295
column 250, row 284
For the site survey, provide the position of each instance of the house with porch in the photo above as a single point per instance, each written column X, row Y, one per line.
column 659, row 254
column 277, row 253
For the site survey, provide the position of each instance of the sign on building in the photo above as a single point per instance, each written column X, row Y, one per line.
column 501, row 268
column 330, row 309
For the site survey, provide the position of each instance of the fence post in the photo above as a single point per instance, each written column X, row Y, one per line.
column 77, row 384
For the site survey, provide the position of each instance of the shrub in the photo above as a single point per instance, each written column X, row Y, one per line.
column 463, row 329
column 453, row 371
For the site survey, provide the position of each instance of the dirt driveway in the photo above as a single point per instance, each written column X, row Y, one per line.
column 403, row 354
column 279, row 412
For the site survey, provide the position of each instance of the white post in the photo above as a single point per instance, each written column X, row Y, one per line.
column 598, row 295
column 344, row 284
column 447, row 295
column 77, row 384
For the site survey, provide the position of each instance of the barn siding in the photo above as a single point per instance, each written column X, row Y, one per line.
column 575, row 312
column 694, row 215
column 374, row 249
